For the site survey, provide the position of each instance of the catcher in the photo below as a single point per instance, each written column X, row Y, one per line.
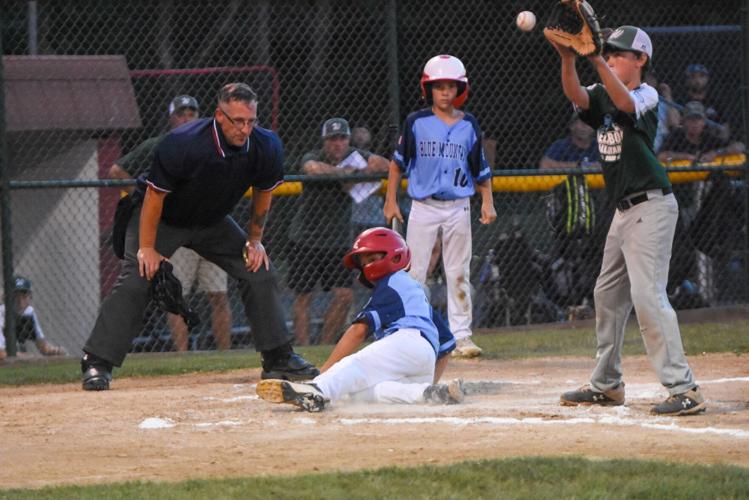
column 637, row 252
column 399, row 366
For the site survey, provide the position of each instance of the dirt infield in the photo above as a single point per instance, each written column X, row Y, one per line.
column 208, row 426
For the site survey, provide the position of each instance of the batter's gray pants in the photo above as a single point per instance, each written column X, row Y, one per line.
column 635, row 272
column 121, row 314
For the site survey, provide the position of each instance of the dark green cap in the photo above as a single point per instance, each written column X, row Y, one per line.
column 630, row 38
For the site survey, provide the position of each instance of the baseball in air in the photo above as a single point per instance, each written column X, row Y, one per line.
column 526, row 20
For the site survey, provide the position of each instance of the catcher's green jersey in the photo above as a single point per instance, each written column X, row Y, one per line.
column 625, row 141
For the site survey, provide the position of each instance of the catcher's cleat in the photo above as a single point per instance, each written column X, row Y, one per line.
column 448, row 394
column 97, row 373
column 586, row 396
column 687, row 403
column 305, row 396
column 289, row 366
column 465, row 348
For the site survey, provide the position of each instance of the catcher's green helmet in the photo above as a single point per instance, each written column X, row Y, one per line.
column 630, row 38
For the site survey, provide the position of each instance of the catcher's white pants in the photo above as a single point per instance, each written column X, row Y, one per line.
column 395, row 369
column 453, row 217
column 634, row 272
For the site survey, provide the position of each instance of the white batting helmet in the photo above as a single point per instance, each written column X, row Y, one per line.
column 445, row 67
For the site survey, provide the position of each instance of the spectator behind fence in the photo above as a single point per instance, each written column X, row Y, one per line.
column 200, row 172
column 183, row 109
column 669, row 117
column 571, row 212
column 189, row 267
column 441, row 150
column 694, row 141
column 697, row 87
column 27, row 322
column 321, row 229
column 578, row 149
column 368, row 212
column 713, row 228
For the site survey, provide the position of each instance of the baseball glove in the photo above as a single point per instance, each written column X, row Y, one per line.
column 573, row 24
column 166, row 293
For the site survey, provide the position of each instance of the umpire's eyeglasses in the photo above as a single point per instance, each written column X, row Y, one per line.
column 239, row 122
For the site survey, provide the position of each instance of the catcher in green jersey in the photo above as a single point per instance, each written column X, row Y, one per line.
column 623, row 111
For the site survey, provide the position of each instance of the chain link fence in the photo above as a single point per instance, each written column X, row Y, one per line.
column 313, row 60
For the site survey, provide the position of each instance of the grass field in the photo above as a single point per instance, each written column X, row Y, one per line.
column 512, row 478
column 698, row 338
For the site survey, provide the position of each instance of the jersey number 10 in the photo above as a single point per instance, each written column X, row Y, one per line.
column 461, row 179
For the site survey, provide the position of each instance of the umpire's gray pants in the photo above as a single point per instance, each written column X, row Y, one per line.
column 635, row 272
column 121, row 314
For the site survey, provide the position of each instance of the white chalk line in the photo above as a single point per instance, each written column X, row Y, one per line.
column 305, row 421
column 231, row 400
column 221, row 423
column 724, row 380
column 167, row 423
column 656, row 423
column 634, row 391
column 647, row 391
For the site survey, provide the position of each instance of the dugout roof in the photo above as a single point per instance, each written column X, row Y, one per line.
column 68, row 93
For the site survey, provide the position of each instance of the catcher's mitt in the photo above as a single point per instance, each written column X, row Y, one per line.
column 573, row 24
column 166, row 292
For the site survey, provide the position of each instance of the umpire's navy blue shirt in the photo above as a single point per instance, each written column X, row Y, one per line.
column 206, row 177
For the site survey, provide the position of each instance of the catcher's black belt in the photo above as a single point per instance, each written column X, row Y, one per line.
column 631, row 201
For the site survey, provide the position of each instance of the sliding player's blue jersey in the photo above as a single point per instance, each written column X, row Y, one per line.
column 398, row 301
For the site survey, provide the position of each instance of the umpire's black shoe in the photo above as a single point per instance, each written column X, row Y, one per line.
column 288, row 366
column 97, row 373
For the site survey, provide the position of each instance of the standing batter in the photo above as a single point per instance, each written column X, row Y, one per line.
column 636, row 257
column 399, row 366
column 440, row 149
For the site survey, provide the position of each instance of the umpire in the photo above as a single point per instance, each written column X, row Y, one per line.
column 200, row 171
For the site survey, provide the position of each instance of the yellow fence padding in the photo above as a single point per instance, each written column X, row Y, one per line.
column 544, row 182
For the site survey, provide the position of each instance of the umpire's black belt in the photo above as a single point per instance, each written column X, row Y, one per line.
column 631, row 201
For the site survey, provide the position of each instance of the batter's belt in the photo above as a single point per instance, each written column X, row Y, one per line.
column 637, row 198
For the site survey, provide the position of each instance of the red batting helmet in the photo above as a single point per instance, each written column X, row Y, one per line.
column 379, row 239
column 445, row 67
